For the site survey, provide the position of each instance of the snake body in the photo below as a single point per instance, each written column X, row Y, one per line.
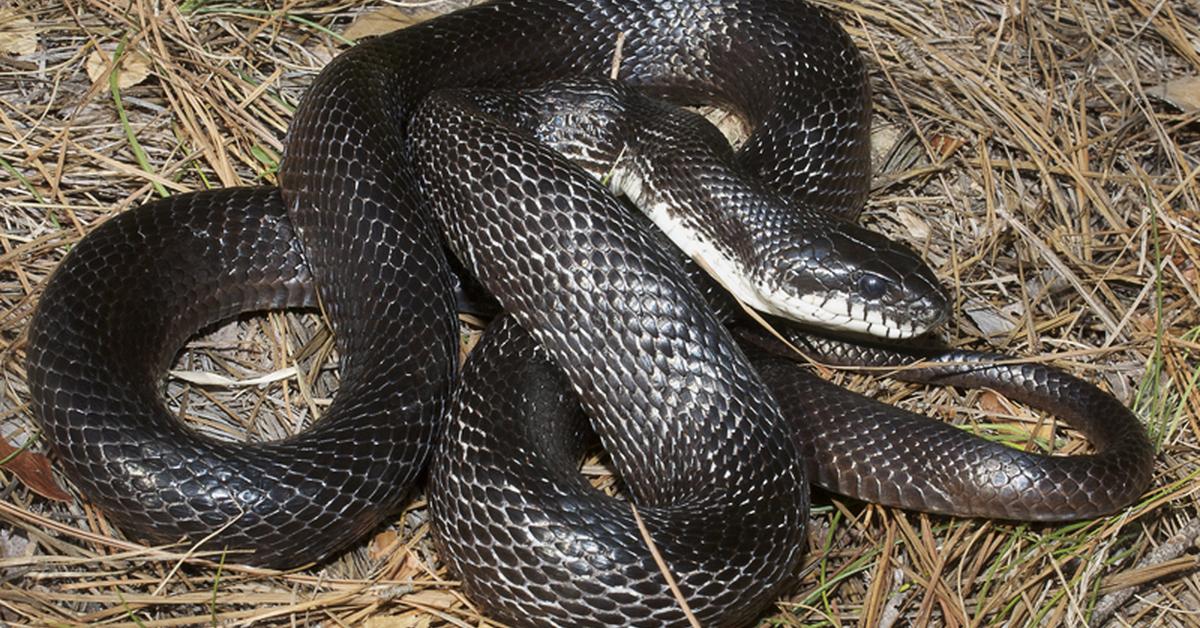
column 379, row 168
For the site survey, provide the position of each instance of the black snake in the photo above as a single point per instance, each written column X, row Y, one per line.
column 376, row 174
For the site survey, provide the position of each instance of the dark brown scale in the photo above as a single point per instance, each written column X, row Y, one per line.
column 596, row 305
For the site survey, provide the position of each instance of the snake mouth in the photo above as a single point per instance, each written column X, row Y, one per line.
column 838, row 313
column 829, row 310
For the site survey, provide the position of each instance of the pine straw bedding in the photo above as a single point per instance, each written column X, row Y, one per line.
column 1043, row 159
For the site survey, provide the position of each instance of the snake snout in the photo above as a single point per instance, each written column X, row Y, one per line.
column 852, row 279
column 928, row 302
column 892, row 280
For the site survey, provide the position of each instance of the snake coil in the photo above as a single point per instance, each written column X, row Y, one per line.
column 599, row 315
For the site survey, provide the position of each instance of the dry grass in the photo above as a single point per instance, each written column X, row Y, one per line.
column 1045, row 159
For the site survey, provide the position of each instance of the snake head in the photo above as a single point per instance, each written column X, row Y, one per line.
column 842, row 276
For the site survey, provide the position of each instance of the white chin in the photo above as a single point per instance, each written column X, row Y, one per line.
column 842, row 323
column 836, row 315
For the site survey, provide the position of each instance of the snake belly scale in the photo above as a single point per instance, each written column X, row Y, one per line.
column 376, row 176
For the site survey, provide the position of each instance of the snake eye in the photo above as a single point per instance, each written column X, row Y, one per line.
column 872, row 286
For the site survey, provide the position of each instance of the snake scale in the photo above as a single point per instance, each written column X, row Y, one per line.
column 600, row 321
